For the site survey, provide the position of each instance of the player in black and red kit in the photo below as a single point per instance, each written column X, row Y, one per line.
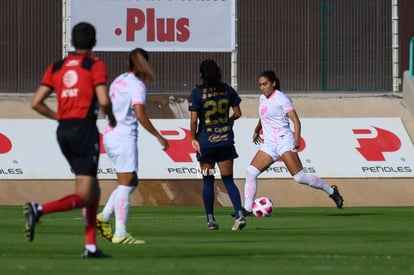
column 213, row 139
column 80, row 84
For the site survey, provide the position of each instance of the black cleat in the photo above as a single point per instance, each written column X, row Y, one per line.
column 336, row 197
column 212, row 225
column 245, row 213
column 97, row 254
column 32, row 217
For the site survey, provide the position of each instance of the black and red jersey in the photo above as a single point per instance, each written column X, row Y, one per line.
column 74, row 79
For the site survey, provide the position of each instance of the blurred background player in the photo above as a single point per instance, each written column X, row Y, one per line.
column 128, row 96
column 212, row 137
column 80, row 83
column 280, row 142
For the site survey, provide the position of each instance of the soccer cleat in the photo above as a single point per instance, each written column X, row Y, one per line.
column 245, row 213
column 104, row 227
column 97, row 254
column 32, row 217
column 127, row 239
column 336, row 197
column 212, row 225
column 239, row 224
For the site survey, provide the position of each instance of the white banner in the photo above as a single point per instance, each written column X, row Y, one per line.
column 162, row 25
column 331, row 148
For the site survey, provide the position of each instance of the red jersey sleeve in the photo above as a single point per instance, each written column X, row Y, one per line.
column 48, row 78
column 99, row 73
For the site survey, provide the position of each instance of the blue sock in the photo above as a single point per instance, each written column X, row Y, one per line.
column 208, row 196
column 234, row 194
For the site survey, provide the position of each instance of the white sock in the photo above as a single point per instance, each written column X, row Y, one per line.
column 109, row 206
column 122, row 209
column 250, row 187
column 91, row 248
column 313, row 181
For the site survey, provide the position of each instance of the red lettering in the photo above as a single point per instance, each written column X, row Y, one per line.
column 183, row 31
column 150, row 24
column 135, row 21
column 162, row 29
column 165, row 29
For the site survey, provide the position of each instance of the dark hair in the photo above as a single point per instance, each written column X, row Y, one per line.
column 141, row 51
column 271, row 76
column 210, row 73
column 139, row 65
column 83, row 36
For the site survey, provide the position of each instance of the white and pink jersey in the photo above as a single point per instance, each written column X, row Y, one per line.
column 126, row 91
column 272, row 112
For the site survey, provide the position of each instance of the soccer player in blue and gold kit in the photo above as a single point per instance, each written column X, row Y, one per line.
column 212, row 137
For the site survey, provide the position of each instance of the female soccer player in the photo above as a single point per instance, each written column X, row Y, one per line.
column 213, row 139
column 128, row 95
column 280, row 142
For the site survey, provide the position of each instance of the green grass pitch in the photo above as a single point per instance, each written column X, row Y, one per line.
column 375, row 240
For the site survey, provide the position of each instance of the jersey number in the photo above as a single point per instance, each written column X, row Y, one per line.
column 217, row 111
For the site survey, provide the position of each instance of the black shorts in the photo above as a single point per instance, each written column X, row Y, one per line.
column 80, row 146
column 217, row 154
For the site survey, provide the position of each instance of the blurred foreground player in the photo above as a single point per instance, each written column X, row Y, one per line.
column 80, row 84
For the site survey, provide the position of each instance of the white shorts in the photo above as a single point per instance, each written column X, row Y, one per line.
column 277, row 150
column 123, row 152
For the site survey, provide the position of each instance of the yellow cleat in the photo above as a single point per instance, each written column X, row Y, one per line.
column 127, row 239
column 104, row 227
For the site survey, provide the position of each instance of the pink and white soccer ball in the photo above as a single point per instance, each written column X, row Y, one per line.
column 262, row 207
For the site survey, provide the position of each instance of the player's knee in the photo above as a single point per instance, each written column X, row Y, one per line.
column 252, row 172
column 300, row 177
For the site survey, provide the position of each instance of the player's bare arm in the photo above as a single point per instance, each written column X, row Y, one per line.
column 38, row 102
column 236, row 113
column 105, row 103
column 256, row 133
column 193, row 129
column 293, row 116
column 147, row 124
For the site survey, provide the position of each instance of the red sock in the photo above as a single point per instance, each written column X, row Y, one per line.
column 64, row 204
column 89, row 214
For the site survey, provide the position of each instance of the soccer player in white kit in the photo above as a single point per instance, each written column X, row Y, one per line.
column 128, row 96
column 279, row 142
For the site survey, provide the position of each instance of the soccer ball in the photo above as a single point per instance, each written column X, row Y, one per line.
column 262, row 207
